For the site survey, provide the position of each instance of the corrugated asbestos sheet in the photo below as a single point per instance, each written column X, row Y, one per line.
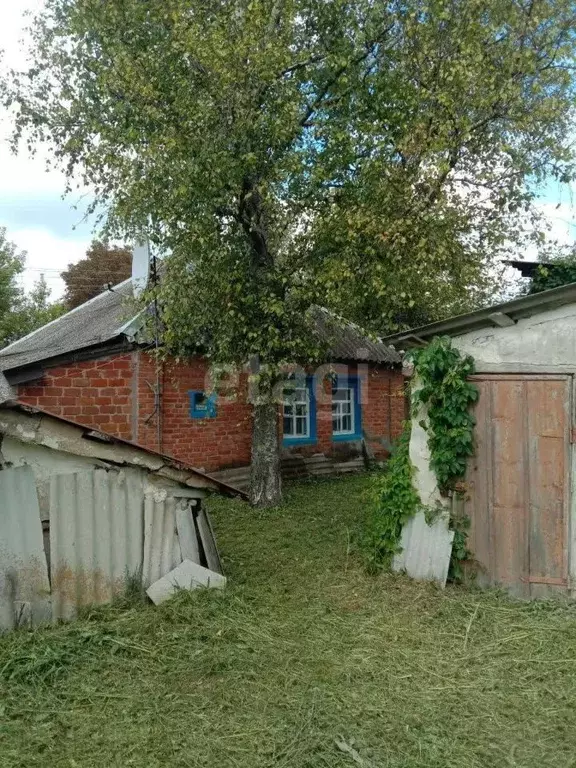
column 187, row 535
column 96, row 537
column 161, row 545
column 426, row 549
column 24, row 587
column 347, row 341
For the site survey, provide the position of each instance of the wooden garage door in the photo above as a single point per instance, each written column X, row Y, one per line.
column 519, row 482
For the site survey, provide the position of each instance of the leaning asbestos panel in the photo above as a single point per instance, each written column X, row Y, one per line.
column 426, row 549
column 208, row 541
column 162, row 550
column 187, row 531
column 187, row 575
column 24, row 586
column 96, row 537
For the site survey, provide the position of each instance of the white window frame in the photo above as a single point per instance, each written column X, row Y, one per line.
column 338, row 414
column 291, row 402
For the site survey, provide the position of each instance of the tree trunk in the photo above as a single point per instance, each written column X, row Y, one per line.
column 266, row 481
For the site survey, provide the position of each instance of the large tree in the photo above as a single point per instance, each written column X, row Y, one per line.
column 11, row 266
column 104, row 265
column 371, row 155
column 21, row 312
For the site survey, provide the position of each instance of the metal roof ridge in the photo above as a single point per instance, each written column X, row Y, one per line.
column 563, row 294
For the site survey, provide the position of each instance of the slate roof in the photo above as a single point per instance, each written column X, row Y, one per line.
column 97, row 321
column 347, row 341
column 35, row 425
column 106, row 316
column 489, row 317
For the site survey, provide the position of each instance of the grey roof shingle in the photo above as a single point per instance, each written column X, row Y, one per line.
column 346, row 341
column 94, row 322
column 104, row 317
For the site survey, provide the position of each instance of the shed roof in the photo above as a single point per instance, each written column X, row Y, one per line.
column 31, row 424
column 109, row 316
column 498, row 315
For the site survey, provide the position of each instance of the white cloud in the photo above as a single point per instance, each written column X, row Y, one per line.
column 24, row 179
column 13, row 33
column 22, row 175
column 562, row 220
column 47, row 255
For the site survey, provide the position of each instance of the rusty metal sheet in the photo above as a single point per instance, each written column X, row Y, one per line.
column 96, row 537
column 24, row 586
column 162, row 551
column 426, row 549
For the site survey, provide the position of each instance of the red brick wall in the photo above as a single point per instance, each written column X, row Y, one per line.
column 211, row 443
column 383, row 412
column 96, row 393
column 116, row 394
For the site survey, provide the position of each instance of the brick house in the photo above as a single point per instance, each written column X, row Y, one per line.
column 92, row 366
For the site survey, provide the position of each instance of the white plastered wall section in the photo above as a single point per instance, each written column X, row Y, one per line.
column 544, row 343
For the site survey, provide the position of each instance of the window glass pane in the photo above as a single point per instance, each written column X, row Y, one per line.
column 342, row 410
column 296, row 412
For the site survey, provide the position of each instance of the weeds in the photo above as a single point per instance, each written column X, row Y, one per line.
column 304, row 661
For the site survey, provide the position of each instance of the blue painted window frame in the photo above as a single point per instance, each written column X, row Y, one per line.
column 310, row 439
column 204, row 410
column 353, row 383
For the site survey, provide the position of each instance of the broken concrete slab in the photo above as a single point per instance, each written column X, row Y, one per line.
column 187, row 575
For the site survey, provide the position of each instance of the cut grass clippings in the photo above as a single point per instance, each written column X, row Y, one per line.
column 303, row 661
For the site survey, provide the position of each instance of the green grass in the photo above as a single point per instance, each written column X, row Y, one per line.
column 303, row 650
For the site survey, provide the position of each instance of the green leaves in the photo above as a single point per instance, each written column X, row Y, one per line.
column 394, row 501
column 447, row 396
column 370, row 156
column 21, row 313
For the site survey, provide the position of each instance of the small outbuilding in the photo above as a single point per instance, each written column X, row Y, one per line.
column 520, row 485
column 84, row 516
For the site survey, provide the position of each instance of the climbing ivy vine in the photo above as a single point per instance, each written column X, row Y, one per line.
column 394, row 501
column 444, row 394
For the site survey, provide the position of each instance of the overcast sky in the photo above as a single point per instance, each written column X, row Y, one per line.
column 38, row 220
column 53, row 232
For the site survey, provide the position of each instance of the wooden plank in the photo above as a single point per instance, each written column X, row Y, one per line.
column 478, row 499
column 208, row 541
column 509, row 493
column 548, row 434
